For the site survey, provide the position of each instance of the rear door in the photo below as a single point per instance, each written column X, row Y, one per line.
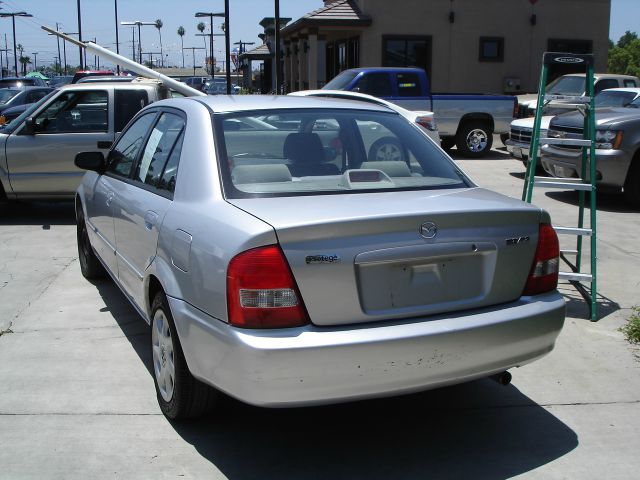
column 139, row 204
column 74, row 121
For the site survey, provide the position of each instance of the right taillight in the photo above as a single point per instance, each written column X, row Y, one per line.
column 261, row 291
column 544, row 271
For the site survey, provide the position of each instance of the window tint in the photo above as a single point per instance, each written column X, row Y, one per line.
column 606, row 83
column 158, row 148
column 170, row 173
column 128, row 103
column 71, row 112
column 630, row 83
column 376, row 84
column 123, row 155
column 408, row 85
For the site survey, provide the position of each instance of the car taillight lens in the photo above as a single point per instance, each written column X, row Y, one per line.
column 544, row 271
column 261, row 291
column 428, row 122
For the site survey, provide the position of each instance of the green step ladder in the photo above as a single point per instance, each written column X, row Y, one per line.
column 587, row 181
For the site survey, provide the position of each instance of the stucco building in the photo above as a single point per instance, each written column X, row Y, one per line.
column 465, row 45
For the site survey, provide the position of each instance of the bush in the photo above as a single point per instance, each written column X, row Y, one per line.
column 632, row 329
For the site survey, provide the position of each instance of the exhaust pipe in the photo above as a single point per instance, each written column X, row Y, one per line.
column 503, row 378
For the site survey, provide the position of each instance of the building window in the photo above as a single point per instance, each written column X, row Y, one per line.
column 491, row 49
column 406, row 51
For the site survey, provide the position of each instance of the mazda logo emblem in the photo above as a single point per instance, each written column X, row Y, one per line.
column 428, row 230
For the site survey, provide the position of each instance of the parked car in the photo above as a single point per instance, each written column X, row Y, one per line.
column 465, row 120
column 422, row 118
column 60, row 80
column 11, row 97
column 106, row 78
column 519, row 141
column 284, row 267
column 574, row 84
column 199, row 83
column 8, row 82
column 617, row 149
column 91, row 73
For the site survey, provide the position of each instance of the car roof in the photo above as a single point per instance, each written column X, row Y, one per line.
column 635, row 90
column 602, row 75
column 127, row 85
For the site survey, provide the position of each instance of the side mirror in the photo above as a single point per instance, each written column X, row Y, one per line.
column 93, row 161
column 29, row 126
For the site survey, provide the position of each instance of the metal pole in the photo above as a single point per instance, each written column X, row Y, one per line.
column 227, row 41
column 64, row 48
column 6, row 52
column 139, row 45
column 277, row 48
column 133, row 43
column 35, row 60
column 80, row 35
column 115, row 2
column 15, row 53
column 58, row 40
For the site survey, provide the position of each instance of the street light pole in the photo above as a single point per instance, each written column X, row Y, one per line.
column 115, row 2
column 210, row 15
column 35, row 60
column 139, row 24
column 59, row 57
column 13, row 16
column 80, row 37
column 277, row 48
column 227, row 42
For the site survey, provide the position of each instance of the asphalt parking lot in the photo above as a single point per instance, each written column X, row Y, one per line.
column 77, row 397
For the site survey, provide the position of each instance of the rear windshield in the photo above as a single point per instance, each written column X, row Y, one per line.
column 567, row 86
column 307, row 152
column 615, row 98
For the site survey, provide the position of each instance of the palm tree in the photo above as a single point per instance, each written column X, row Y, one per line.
column 181, row 33
column 24, row 61
column 159, row 26
column 201, row 27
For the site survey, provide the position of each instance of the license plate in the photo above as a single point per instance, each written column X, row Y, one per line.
column 516, row 152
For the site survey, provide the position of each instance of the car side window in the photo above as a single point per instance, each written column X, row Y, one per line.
column 124, row 153
column 75, row 112
column 376, row 84
column 604, row 84
column 128, row 103
column 170, row 172
column 630, row 84
column 159, row 146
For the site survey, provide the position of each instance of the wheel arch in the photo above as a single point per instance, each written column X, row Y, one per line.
column 476, row 117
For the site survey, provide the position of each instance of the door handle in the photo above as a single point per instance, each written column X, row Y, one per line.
column 105, row 144
column 110, row 196
column 150, row 219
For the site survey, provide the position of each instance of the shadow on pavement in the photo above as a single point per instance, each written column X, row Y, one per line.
column 606, row 201
column 37, row 213
column 476, row 430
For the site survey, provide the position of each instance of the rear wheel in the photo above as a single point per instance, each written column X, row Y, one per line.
column 632, row 183
column 180, row 395
column 90, row 266
column 386, row 149
column 474, row 139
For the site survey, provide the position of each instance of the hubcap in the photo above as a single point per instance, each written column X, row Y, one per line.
column 163, row 359
column 477, row 140
column 388, row 152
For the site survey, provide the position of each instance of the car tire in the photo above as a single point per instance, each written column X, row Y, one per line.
column 632, row 183
column 503, row 138
column 447, row 143
column 180, row 395
column 90, row 266
column 387, row 149
column 474, row 139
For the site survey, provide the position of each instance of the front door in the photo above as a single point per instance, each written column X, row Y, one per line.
column 41, row 164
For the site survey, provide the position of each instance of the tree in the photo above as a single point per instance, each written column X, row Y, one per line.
column 24, row 60
column 159, row 25
column 201, row 27
column 624, row 58
column 181, row 33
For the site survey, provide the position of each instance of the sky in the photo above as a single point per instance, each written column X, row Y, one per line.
column 98, row 21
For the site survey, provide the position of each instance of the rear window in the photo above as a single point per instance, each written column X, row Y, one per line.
column 309, row 152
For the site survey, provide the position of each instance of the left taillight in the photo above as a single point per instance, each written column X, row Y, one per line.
column 543, row 276
column 261, row 291
column 428, row 122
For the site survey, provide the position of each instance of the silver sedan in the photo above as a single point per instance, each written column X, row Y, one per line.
column 279, row 262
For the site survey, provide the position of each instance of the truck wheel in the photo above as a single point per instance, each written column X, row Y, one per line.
column 474, row 139
column 180, row 395
column 503, row 138
column 90, row 266
column 632, row 184
column 386, row 149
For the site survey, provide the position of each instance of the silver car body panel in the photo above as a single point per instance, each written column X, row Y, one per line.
column 346, row 352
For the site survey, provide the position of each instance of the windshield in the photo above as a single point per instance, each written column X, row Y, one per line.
column 13, row 124
column 7, row 94
column 566, row 86
column 341, row 81
column 614, row 98
column 307, row 152
column 634, row 104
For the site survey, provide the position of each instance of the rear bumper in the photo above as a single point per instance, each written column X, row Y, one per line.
column 611, row 165
column 311, row 365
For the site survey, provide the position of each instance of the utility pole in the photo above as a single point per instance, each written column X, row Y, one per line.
column 80, row 38
column 277, row 48
column 139, row 24
column 227, row 42
column 35, row 60
column 211, row 34
column 58, row 40
column 117, row 39
column 13, row 16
